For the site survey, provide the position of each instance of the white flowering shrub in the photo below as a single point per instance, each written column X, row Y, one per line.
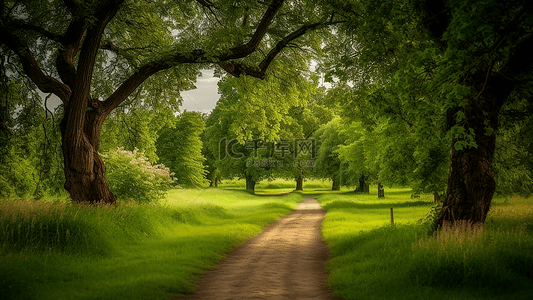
column 131, row 176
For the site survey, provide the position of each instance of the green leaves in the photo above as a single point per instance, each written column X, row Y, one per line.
column 180, row 148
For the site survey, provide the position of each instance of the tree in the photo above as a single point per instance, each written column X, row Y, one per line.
column 94, row 54
column 134, row 127
column 180, row 149
column 459, row 61
column 491, row 55
column 298, row 137
column 252, row 129
column 328, row 164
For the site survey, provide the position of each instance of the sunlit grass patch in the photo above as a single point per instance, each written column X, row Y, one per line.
column 370, row 259
column 511, row 214
column 131, row 251
column 278, row 185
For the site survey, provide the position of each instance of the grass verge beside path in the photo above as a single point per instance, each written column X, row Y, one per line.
column 370, row 259
column 66, row 251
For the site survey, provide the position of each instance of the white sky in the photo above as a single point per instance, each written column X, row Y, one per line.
column 204, row 97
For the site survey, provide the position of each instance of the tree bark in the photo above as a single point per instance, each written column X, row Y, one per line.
column 336, row 184
column 471, row 183
column 300, row 183
column 250, row 183
column 363, row 187
column 381, row 191
column 84, row 167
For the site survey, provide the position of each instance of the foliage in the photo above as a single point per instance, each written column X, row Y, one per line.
column 264, row 111
column 132, row 177
column 29, row 145
column 138, row 55
column 329, row 138
column 135, row 127
column 513, row 158
column 180, row 149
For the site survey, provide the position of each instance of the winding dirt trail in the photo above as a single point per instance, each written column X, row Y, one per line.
column 285, row 261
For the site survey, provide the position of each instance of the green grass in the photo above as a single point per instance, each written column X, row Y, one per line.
column 276, row 186
column 57, row 250
column 66, row 251
column 370, row 259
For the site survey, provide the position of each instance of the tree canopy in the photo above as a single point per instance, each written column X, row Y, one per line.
column 94, row 55
column 434, row 94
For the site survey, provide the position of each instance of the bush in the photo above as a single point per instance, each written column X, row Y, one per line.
column 132, row 177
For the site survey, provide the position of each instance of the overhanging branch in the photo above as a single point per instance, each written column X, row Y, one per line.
column 195, row 56
column 236, row 69
column 38, row 29
column 46, row 84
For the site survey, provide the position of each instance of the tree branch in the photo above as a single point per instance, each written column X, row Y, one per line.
column 246, row 49
column 520, row 63
column 128, row 86
column 52, row 36
column 70, row 46
column 46, row 84
column 202, row 56
column 236, row 69
column 110, row 46
column 195, row 56
column 209, row 5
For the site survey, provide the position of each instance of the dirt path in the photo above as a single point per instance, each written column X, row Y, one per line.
column 285, row 261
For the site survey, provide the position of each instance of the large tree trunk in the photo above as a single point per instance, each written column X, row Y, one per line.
column 250, row 183
column 300, row 183
column 84, row 168
column 471, row 183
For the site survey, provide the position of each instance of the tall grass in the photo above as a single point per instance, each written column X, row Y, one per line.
column 139, row 251
column 38, row 226
column 370, row 259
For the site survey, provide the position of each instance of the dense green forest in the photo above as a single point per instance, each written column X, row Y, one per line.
column 432, row 95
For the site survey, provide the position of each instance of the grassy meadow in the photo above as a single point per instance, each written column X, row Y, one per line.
column 372, row 259
column 66, row 251
column 278, row 185
column 57, row 250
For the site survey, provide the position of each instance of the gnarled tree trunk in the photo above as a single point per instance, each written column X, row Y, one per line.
column 84, row 167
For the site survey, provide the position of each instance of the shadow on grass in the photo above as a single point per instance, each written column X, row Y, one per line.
column 340, row 204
